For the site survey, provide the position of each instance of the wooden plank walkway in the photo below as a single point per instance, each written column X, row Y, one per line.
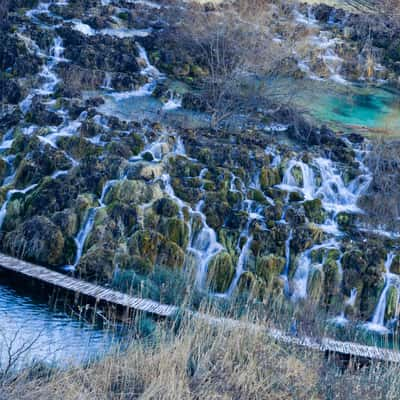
column 100, row 293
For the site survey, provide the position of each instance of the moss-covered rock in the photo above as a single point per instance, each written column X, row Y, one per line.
column 3, row 168
column 134, row 192
column 345, row 220
column 175, row 230
column 315, row 285
column 67, row 221
column 314, row 211
column 154, row 247
column 269, row 266
column 392, row 299
column 395, row 267
column 331, row 281
column 97, row 264
column 123, row 214
column 354, row 266
column 166, row 207
column 220, row 272
column 269, row 177
column 38, row 240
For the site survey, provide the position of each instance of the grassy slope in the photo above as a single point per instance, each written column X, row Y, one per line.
column 197, row 361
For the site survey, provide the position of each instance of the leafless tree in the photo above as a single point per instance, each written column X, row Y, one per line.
column 383, row 200
column 237, row 46
column 13, row 349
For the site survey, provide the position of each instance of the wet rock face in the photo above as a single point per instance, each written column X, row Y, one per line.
column 15, row 58
column 37, row 239
column 216, row 205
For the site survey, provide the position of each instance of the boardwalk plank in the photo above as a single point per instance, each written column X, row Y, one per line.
column 100, row 293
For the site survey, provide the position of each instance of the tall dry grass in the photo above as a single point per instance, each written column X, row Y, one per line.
column 195, row 360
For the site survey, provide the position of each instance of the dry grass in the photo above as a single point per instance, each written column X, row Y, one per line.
column 198, row 361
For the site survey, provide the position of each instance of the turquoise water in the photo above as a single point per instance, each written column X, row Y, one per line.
column 365, row 108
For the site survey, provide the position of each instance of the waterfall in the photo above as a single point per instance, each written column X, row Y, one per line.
column 81, row 237
column 240, row 267
column 3, row 209
column 333, row 192
column 304, row 267
column 203, row 243
column 290, row 184
column 351, row 301
column 378, row 319
column 107, row 84
column 149, row 71
column 173, row 102
column 87, row 227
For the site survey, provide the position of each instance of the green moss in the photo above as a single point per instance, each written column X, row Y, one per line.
column 391, row 303
column 147, row 156
column 297, row 175
column 134, row 192
column 395, row 267
column 220, row 272
column 175, row 230
column 269, row 266
column 315, row 285
column 314, row 211
column 123, row 15
column 258, row 196
column 155, row 248
column 269, row 177
column 296, row 196
column 345, row 220
column 166, row 207
column 331, row 280
column 229, row 238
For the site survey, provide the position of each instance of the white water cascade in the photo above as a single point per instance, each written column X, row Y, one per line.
column 289, row 182
column 377, row 322
column 321, row 179
column 87, row 226
column 203, row 243
column 10, row 193
column 299, row 284
column 149, row 71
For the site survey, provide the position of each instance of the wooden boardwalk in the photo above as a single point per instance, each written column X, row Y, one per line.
column 99, row 293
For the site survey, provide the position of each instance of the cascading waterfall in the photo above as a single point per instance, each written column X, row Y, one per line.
column 300, row 280
column 253, row 215
column 203, row 243
column 149, row 71
column 173, row 102
column 87, row 227
column 335, row 197
column 378, row 319
column 290, row 183
column 10, row 193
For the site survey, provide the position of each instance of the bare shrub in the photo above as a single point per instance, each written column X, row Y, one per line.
column 382, row 203
column 236, row 46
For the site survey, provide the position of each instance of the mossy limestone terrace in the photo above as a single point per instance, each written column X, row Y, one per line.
column 260, row 210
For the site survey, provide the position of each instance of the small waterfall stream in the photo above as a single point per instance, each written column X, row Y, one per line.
column 321, row 179
column 377, row 322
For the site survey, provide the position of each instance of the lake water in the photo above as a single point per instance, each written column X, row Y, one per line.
column 53, row 335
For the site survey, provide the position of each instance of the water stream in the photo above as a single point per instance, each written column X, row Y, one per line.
column 377, row 322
